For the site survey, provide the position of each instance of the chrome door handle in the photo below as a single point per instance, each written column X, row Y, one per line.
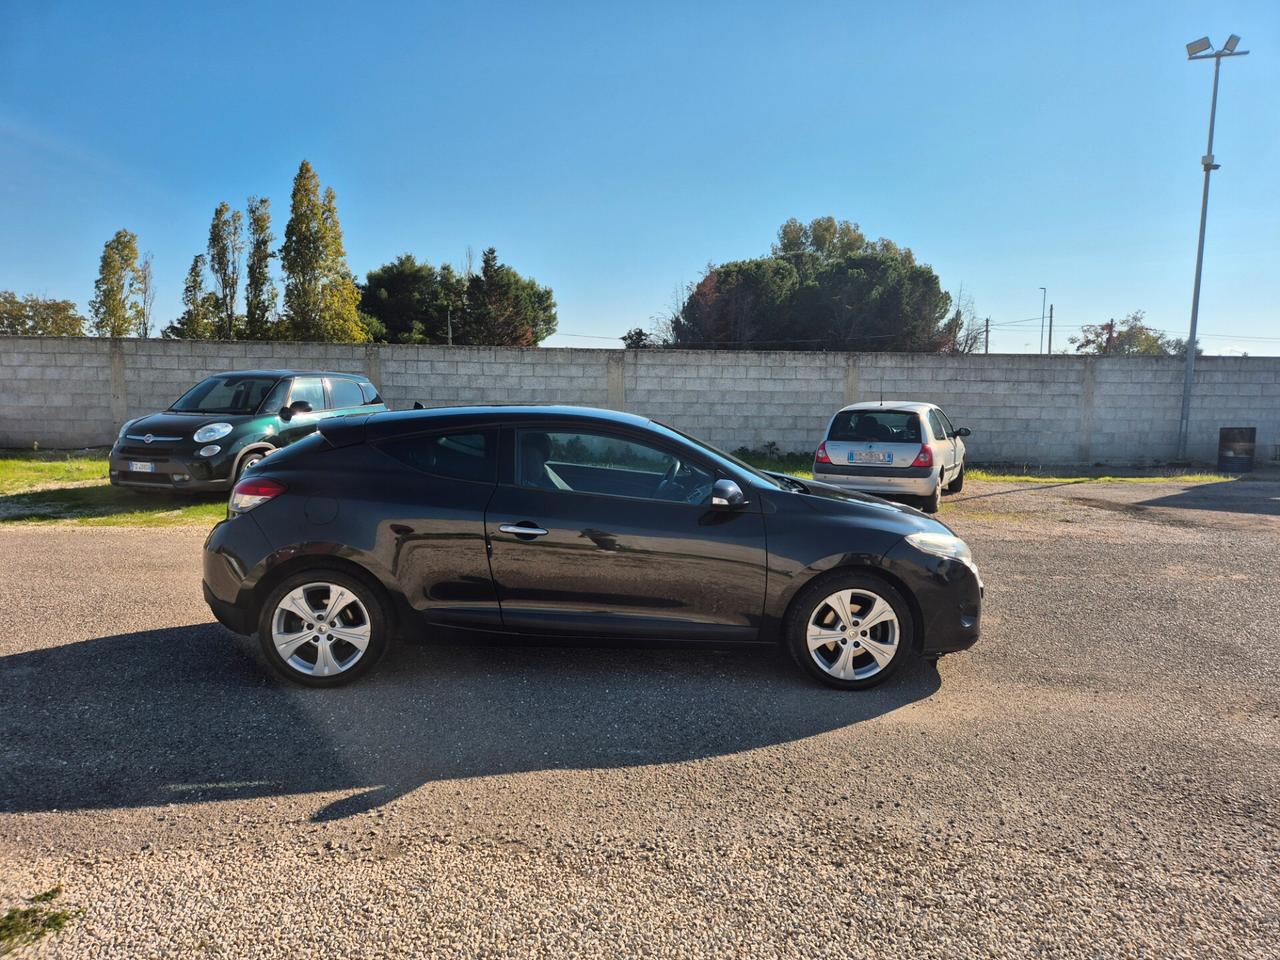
column 522, row 531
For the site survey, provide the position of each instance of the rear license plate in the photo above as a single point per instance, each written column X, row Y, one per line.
column 870, row 456
column 141, row 466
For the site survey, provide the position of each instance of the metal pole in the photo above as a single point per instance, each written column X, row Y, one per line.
column 1050, row 350
column 1184, row 421
column 1043, row 293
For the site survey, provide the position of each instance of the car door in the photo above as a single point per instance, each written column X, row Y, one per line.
column 311, row 391
column 600, row 533
column 955, row 437
column 433, row 517
column 943, row 442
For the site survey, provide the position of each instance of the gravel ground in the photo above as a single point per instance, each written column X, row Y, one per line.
column 1097, row 778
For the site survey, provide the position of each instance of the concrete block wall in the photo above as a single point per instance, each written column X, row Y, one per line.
column 72, row 392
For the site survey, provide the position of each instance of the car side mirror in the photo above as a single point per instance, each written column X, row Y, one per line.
column 964, row 432
column 298, row 406
column 419, row 405
column 727, row 495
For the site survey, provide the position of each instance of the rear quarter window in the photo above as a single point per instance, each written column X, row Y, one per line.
column 457, row 456
column 875, row 426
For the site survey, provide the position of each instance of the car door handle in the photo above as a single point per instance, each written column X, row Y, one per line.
column 521, row 530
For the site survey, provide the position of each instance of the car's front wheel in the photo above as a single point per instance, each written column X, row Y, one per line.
column 933, row 502
column 850, row 630
column 245, row 463
column 956, row 485
column 322, row 628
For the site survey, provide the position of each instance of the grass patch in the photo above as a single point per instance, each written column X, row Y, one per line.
column 1156, row 475
column 102, row 505
column 22, row 470
column 23, row 926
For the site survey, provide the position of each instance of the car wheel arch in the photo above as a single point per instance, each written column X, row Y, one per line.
column 328, row 561
column 868, row 569
column 256, row 447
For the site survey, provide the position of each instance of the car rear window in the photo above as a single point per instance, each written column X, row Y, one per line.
column 459, row 456
column 884, row 426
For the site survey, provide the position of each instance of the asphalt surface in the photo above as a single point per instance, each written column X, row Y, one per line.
column 1097, row 778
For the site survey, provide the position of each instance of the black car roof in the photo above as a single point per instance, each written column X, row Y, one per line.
column 406, row 419
column 290, row 373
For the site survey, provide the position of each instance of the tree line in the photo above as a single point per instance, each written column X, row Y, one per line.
column 405, row 301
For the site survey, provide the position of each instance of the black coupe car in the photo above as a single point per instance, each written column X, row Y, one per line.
column 570, row 522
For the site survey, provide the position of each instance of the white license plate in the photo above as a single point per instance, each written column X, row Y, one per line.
column 870, row 456
column 141, row 466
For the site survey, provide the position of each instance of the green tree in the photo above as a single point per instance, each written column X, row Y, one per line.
column 637, row 338
column 226, row 246
column 412, row 301
column 259, row 291
column 33, row 316
column 199, row 319
column 146, row 290
column 1130, row 337
column 825, row 287
column 506, row 309
column 320, row 296
column 114, row 307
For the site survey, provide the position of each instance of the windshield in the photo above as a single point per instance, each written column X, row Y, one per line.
column 226, row 394
column 721, row 455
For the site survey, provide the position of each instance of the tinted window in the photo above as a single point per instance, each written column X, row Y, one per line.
column 344, row 393
column 598, row 463
column 935, row 426
column 459, row 456
column 885, row 426
column 230, row 394
column 310, row 389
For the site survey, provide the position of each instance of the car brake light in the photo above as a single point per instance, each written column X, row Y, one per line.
column 924, row 458
column 822, row 456
column 253, row 492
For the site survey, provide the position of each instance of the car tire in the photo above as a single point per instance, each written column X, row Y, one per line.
column 847, row 660
column 247, row 461
column 956, row 485
column 933, row 502
column 323, row 650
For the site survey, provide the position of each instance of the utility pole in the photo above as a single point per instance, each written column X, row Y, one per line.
column 986, row 348
column 1043, row 293
column 1196, row 50
column 1050, row 350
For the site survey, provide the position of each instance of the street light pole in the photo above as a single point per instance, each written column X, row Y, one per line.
column 1043, row 294
column 1196, row 51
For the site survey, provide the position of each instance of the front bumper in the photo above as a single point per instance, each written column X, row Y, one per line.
column 171, row 470
column 948, row 596
column 904, row 481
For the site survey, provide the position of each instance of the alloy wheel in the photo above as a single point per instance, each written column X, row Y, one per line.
column 853, row 634
column 320, row 629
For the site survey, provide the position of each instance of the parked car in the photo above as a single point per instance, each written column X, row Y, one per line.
column 900, row 449
column 228, row 422
column 570, row 522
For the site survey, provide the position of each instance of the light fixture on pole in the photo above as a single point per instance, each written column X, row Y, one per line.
column 1202, row 49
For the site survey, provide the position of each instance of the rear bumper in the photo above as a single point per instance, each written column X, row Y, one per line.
column 906, row 481
column 233, row 556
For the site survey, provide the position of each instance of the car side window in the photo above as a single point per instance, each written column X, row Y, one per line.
column 457, row 456
column 935, row 426
column 599, row 463
column 310, row 389
column 946, row 422
column 344, row 393
column 369, row 392
column 277, row 397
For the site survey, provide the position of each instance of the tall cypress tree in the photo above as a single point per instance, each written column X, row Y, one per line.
column 303, row 257
column 199, row 321
column 114, row 307
column 226, row 245
column 260, row 291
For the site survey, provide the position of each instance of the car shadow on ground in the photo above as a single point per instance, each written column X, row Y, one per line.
column 186, row 715
column 1256, row 497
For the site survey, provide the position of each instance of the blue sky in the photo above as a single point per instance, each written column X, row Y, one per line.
column 612, row 151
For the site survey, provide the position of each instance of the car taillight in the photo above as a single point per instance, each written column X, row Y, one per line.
column 821, row 456
column 253, row 492
column 924, row 458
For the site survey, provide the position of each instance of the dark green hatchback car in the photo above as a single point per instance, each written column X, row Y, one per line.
column 230, row 421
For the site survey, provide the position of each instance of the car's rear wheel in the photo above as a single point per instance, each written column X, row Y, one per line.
column 322, row 628
column 850, row 630
column 956, row 485
column 933, row 502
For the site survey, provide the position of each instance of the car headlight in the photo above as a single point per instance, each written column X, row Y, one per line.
column 942, row 545
column 212, row 431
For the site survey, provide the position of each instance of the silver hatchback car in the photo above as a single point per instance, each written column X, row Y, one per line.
column 893, row 448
